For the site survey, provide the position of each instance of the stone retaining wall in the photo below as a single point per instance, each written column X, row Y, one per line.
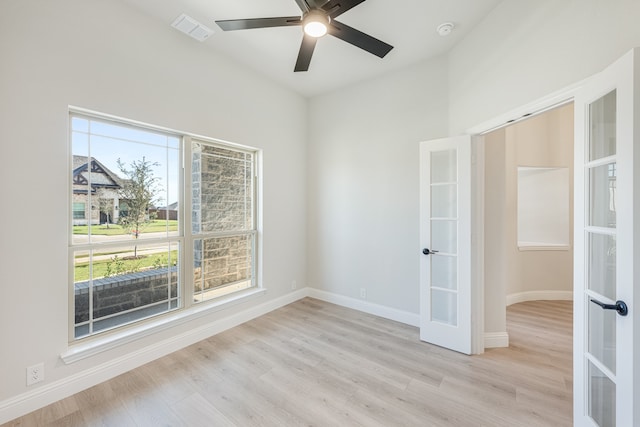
column 124, row 292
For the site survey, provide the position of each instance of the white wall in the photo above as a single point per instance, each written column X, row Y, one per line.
column 363, row 175
column 525, row 50
column 363, row 165
column 495, row 233
column 542, row 141
column 106, row 57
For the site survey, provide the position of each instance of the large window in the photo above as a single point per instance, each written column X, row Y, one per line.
column 146, row 214
column 223, row 220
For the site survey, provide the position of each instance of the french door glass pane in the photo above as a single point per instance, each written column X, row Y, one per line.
column 602, row 184
column 444, row 272
column 444, row 307
column 602, row 132
column 444, row 201
column 602, row 397
column 602, row 335
column 444, row 166
column 602, row 264
column 444, row 236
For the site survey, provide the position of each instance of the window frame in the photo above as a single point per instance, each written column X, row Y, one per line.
column 187, row 308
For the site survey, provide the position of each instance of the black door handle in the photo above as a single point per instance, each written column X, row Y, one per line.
column 426, row 251
column 619, row 306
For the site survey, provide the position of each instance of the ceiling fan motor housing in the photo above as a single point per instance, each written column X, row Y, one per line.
column 316, row 22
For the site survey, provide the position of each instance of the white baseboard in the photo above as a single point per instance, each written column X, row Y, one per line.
column 496, row 339
column 401, row 316
column 24, row 403
column 539, row 296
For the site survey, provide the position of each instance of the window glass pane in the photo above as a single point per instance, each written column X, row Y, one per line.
column 123, row 175
column 81, row 274
column 80, row 124
column 222, row 265
column 222, row 188
column 123, row 284
column 602, row 132
column 602, row 182
column 79, row 210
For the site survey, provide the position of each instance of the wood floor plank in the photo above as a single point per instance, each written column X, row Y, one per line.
column 312, row 363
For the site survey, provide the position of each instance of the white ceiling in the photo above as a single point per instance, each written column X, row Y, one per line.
column 408, row 25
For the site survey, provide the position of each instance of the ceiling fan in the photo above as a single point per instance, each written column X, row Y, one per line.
column 318, row 19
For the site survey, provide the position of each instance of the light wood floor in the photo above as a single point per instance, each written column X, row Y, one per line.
column 316, row 364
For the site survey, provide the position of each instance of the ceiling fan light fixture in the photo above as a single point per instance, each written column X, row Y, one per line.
column 316, row 24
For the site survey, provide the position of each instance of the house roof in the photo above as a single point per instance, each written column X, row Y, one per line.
column 80, row 165
column 172, row 207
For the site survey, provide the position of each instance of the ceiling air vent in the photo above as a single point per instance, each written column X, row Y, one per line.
column 192, row 28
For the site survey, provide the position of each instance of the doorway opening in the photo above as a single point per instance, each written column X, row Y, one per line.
column 528, row 241
column 534, row 268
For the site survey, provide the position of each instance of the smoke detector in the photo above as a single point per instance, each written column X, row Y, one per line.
column 445, row 29
column 192, row 28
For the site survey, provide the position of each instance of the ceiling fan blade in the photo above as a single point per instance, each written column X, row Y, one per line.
column 338, row 7
column 359, row 39
column 248, row 24
column 302, row 4
column 306, row 51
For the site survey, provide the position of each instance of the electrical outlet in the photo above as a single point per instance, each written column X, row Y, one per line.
column 35, row 374
column 363, row 293
column 294, row 285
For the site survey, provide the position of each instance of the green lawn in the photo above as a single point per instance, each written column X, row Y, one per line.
column 121, row 266
column 115, row 229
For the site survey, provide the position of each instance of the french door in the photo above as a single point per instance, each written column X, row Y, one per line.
column 607, row 255
column 445, row 238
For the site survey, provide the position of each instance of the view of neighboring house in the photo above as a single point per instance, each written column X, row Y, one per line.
column 103, row 205
column 169, row 212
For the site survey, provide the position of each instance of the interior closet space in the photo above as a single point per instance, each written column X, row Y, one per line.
column 528, row 225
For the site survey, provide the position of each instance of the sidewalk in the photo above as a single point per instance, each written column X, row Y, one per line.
column 127, row 248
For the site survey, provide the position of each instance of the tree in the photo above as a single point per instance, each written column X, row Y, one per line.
column 139, row 190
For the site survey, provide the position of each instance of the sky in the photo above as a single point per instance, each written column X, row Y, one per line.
column 107, row 142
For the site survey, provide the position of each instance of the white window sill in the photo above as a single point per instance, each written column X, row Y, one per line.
column 532, row 246
column 91, row 346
